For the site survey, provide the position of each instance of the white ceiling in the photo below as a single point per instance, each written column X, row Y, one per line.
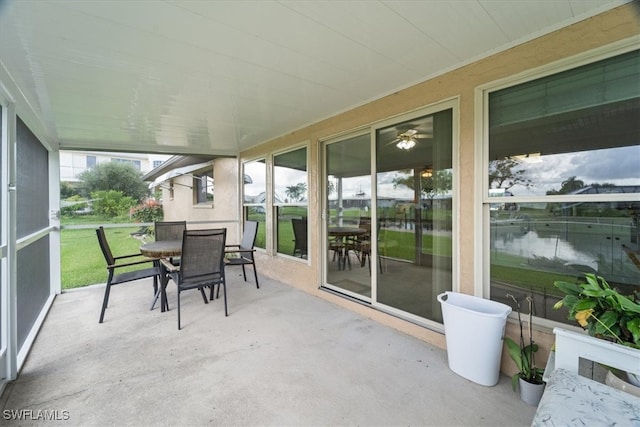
column 216, row 77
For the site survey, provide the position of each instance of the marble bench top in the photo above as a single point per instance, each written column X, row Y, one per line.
column 572, row 400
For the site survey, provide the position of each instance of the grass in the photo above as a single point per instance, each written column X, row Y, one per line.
column 82, row 261
column 526, row 278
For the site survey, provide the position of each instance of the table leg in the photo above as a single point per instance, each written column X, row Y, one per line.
column 161, row 290
column 164, row 279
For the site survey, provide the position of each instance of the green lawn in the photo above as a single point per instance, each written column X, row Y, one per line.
column 82, row 261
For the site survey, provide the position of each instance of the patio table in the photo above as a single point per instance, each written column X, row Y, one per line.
column 157, row 250
column 340, row 234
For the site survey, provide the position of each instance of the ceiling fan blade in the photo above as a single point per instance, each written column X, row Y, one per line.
column 395, row 141
column 422, row 136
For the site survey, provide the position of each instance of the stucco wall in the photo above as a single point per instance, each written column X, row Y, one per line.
column 224, row 212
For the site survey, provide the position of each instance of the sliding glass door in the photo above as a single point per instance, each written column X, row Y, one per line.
column 389, row 208
column 414, row 177
column 348, row 211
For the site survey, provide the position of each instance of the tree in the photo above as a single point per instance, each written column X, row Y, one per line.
column 504, row 173
column 66, row 190
column 438, row 183
column 108, row 176
column 296, row 192
column 331, row 187
column 567, row 186
column 570, row 185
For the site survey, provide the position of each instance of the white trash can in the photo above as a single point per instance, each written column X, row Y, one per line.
column 473, row 328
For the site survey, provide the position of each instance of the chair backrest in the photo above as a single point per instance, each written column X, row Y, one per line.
column 365, row 224
column 300, row 234
column 104, row 246
column 202, row 255
column 170, row 230
column 249, row 235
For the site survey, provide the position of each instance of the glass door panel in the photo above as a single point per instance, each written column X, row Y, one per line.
column 348, row 218
column 413, row 206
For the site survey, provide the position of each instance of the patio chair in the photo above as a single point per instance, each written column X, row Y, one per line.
column 115, row 262
column 384, row 243
column 361, row 244
column 168, row 230
column 300, row 244
column 245, row 250
column 201, row 264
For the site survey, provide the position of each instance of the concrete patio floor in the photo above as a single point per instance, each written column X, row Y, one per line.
column 281, row 358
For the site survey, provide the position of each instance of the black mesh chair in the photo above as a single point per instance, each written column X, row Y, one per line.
column 361, row 244
column 300, row 244
column 169, row 230
column 244, row 251
column 117, row 262
column 201, row 264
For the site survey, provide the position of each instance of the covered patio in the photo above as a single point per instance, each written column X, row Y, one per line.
column 255, row 367
column 247, row 84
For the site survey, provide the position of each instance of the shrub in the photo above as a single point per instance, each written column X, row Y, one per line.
column 73, row 204
column 111, row 203
column 148, row 211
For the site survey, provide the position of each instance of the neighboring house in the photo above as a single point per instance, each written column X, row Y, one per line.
column 73, row 163
column 201, row 190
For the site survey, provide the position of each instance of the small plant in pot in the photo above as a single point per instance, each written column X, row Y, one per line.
column 529, row 376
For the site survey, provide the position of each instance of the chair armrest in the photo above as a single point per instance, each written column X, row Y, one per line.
column 233, row 251
column 127, row 264
column 169, row 266
column 127, row 256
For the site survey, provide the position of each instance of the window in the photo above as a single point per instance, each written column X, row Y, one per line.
column 290, row 202
column 134, row 163
column 91, row 161
column 203, row 188
column 255, row 197
column 563, row 176
column 157, row 163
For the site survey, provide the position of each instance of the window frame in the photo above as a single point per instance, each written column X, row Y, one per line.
column 265, row 159
column 198, row 177
column 482, row 271
column 275, row 205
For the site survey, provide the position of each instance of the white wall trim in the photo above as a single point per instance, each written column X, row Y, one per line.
column 33, row 333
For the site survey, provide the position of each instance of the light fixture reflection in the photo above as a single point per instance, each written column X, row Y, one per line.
column 406, row 144
column 427, row 173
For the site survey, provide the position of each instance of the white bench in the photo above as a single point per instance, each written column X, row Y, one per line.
column 570, row 399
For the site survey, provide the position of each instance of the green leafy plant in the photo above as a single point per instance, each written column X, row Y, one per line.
column 111, row 203
column 523, row 354
column 147, row 211
column 602, row 310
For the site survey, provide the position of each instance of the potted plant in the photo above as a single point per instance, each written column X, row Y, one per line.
column 604, row 312
column 529, row 377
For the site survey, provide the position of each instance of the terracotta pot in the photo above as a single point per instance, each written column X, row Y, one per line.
column 530, row 393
